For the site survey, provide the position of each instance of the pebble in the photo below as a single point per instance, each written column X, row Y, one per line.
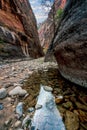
column 8, row 85
column 17, row 124
column 19, row 109
column 15, row 84
column 5, row 77
column 31, row 109
column 38, row 106
column 68, row 105
column 18, row 91
column 15, row 91
column 59, row 99
column 22, row 92
column 3, row 93
column 27, row 120
column 8, row 122
column 49, row 89
column 26, row 96
column 1, row 106
column 13, row 69
column 9, row 99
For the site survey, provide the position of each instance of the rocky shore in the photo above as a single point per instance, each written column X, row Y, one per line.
column 12, row 77
column 20, row 86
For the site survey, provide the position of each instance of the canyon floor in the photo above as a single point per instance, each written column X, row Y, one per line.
column 29, row 74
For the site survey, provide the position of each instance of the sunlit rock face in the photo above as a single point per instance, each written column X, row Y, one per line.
column 47, row 117
column 18, row 30
column 46, row 31
column 70, row 43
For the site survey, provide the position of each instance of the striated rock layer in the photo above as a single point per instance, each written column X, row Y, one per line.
column 47, row 29
column 18, row 30
column 70, row 43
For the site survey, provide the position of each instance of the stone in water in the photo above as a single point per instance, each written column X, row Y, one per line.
column 47, row 88
column 19, row 109
column 31, row 109
column 1, row 106
column 38, row 106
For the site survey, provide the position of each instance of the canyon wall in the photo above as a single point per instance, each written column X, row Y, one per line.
column 18, row 30
column 48, row 28
column 69, row 45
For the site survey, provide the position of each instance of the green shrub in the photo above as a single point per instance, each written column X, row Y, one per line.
column 59, row 13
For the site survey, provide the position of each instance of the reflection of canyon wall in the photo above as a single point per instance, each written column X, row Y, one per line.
column 46, row 31
column 70, row 43
column 18, row 30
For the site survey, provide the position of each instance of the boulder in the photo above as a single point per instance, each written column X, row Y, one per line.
column 70, row 42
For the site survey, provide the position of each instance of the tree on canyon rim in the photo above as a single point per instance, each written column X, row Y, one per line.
column 56, row 10
column 47, row 6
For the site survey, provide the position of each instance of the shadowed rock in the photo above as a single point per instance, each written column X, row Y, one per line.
column 70, row 42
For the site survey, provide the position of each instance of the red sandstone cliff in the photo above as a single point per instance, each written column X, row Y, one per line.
column 18, row 30
column 46, row 31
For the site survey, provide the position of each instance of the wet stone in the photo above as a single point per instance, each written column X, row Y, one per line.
column 67, row 105
column 17, row 124
column 58, row 99
column 26, row 121
column 71, row 121
column 49, row 89
column 3, row 93
column 31, row 109
column 19, row 109
column 38, row 106
column 1, row 106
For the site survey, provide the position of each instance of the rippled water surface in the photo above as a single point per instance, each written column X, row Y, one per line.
column 48, row 116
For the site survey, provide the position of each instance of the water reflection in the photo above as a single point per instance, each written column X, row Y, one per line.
column 48, row 116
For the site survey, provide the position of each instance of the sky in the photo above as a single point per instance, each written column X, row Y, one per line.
column 40, row 12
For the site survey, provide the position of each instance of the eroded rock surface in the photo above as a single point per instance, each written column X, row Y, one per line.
column 70, row 43
column 18, row 30
column 48, row 28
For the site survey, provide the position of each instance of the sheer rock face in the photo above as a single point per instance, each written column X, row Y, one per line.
column 70, row 43
column 18, row 29
column 46, row 31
